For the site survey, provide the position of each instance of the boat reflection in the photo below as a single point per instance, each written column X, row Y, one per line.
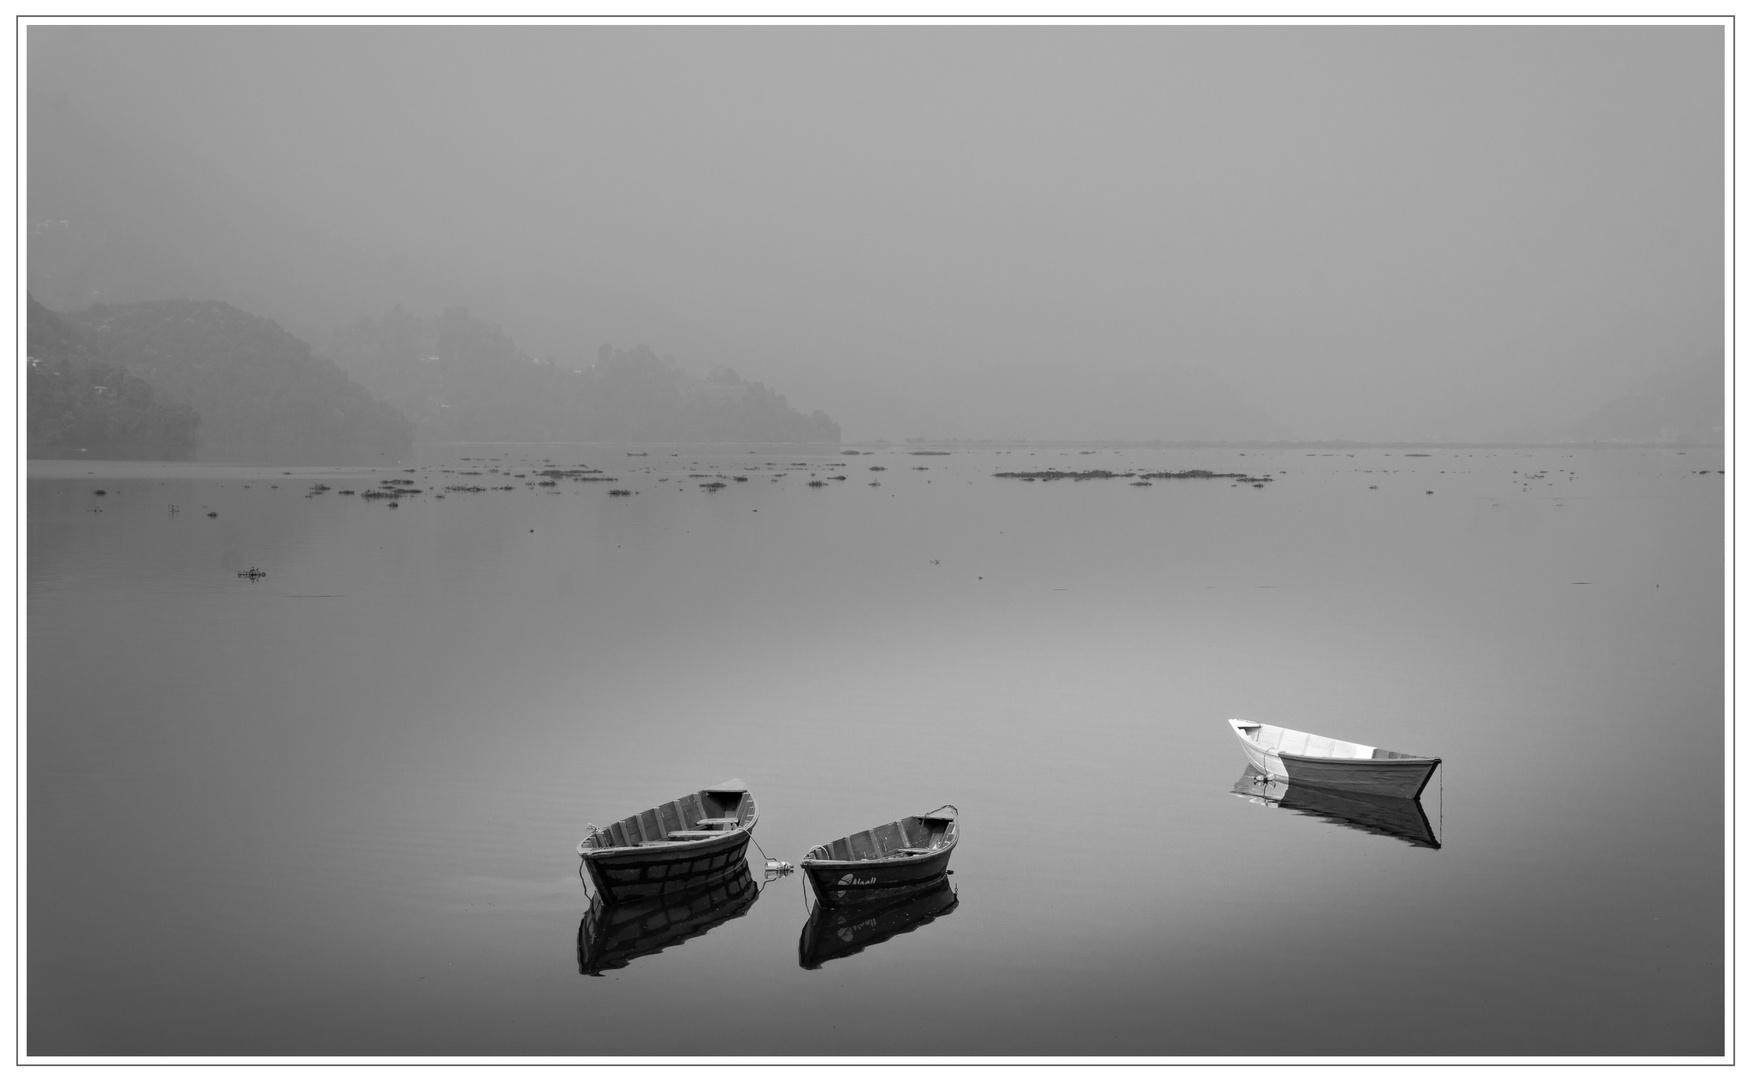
column 832, row 932
column 1384, row 815
column 613, row 935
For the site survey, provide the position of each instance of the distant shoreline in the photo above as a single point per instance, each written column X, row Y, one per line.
column 1311, row 444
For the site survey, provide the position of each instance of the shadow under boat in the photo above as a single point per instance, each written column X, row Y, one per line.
column 833, row 932
column 613, row 935
column 1383, row 815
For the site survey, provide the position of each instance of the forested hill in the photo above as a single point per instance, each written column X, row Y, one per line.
column 251, row 382
column 76, row 398
column 461, row 378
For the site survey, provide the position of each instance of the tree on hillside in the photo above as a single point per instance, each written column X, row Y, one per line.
column 251, row 382
column 74, row 397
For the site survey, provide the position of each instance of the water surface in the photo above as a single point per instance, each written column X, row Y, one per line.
column 332, row 811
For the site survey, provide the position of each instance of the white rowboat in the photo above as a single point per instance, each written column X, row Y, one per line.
column 1316, row 760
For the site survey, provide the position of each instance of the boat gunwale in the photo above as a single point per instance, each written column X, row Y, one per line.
column 660, row 848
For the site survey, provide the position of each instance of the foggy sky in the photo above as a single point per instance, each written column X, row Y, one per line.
column 1367, row 232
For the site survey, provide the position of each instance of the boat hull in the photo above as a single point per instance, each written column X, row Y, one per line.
column 837, row 884
column 644, row 872
column 891, row 860
column 1403, row 779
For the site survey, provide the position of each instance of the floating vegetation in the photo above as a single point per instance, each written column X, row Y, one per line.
column 835, row 478
column 928, row 453
column 100, row 491
column 920, row 468
column 579, row 473
column 623, row 491
column 850, row 453
column 548, row 483
column 1140, row 483
column 1205, row 474
column 739, row 479
column 317, row 489
column 714, row 485
column 883, row 468
column 1107, row 474
column 1059, row 474
column 464, row 487
column 817, row 483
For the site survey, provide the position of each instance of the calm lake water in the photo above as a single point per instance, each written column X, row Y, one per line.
column 332, row 811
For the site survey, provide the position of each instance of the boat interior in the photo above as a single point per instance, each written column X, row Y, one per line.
column 907, row 837
column 1288, row 741
column 698, row 816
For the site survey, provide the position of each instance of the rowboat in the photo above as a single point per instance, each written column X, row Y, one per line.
column 613, row 935
column 1382, row 815
column 689, row 841
column 835, row 932
column 1318, row 761
column 885, row 861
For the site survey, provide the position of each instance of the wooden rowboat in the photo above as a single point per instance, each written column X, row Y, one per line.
column 1318, row 761
column 613, row 935
column 687, row 842
column 1382, row 815
column 889, row 860
column 835, row 932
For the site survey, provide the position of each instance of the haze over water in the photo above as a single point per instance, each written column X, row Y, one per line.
column 332, row 811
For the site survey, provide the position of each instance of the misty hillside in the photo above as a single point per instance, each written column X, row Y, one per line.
column 1686, row 404
column 75, row 398
column 461, row 378
column 251, row 382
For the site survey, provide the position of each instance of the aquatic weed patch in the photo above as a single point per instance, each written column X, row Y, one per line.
column 1205, row 474
column 1061, row 474
column 1107, row 474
